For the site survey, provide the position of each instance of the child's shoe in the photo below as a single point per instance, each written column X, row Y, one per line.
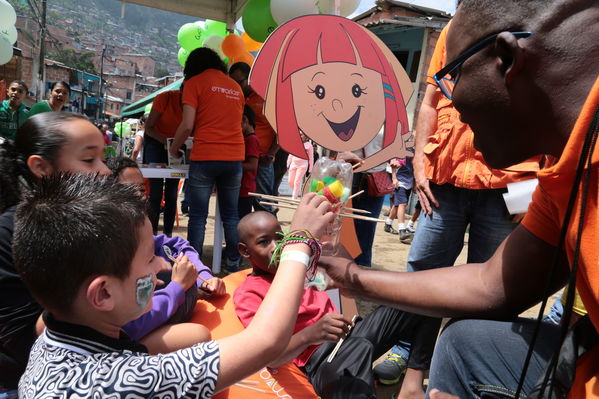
column 405, row 236
column 390, row 370
column 389, row 229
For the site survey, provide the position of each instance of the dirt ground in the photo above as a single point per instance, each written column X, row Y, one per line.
column 388, row 254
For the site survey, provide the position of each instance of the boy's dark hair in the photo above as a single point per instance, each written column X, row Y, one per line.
column 118, row 164
column 248, row 112
column 71, row 228
column 42, row 134
column 201, row 59
column 242, row 67
column 22, row 84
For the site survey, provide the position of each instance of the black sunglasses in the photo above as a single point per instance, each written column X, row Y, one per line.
column 445, row 78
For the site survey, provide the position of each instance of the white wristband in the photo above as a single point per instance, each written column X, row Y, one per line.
column 297, row 256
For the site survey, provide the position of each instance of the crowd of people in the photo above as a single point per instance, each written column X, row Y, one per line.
column 81, row 257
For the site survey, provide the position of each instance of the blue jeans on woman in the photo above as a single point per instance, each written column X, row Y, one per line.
column 365, row 230
column 203, row 176
column 439, row 238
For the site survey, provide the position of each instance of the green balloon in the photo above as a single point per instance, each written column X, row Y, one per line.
column 191, row 36
column 148, row 108
column 215, row 28
column 257, row 20
column 182, row 56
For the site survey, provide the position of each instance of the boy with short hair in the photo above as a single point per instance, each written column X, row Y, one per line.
column 319, row 325
column 85, row 250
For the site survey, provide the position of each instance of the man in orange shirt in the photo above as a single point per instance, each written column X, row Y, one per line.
column 526, row 87
column 265, row 178
column 458, row 192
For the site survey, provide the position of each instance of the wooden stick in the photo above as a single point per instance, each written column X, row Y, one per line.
column 275, row 198
column 369, row 219
column 355, row 195
column 287, row 206
column 336, row 349
column 355, row 210
column 251, row 388
column 354, row 166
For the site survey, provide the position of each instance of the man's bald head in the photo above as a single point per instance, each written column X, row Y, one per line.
column 521, row 96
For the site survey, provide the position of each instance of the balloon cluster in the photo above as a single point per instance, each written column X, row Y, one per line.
column 332, row 179
column 214, row 35
column 122, row 129
column 8, row 31
column 261, row 17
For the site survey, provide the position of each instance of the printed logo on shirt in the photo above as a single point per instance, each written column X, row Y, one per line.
column 229, row 93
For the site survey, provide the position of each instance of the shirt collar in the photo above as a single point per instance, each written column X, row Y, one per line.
column 86, row 340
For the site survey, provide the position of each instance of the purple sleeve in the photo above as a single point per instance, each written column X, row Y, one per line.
column 178, row 245
column 165, row 303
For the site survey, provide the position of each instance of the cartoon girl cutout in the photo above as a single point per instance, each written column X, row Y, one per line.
column 336, row 82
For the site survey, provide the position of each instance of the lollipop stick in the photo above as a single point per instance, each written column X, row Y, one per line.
column 355, row 195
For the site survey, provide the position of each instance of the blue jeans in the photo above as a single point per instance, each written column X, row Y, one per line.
column 203, row 175
column 439, row 238
column 365, row 230
column 265, row 180
column 484, row 358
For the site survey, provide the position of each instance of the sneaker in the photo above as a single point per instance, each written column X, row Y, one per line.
column 405, row 236
column 185, row 210
column 411, row 229
column 390, row 229
column 390, row 370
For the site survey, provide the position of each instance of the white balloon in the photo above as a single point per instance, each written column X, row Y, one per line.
column 347, row 7
column 214, row 42
column 5, row 50
column 10, row 34
column 285, row 10
column 8, row 16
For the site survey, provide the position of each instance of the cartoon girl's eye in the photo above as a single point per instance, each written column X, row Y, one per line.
column 356, row 90
column 319, row 91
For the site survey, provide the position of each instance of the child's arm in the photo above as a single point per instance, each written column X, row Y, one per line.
column 250, row 164
column 268, row 335
column 165, row 302
column 330, row 327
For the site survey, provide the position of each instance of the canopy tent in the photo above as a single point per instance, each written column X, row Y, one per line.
column 138, row 107
column 227, row 11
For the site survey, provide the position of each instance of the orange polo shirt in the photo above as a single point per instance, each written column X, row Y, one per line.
column 544, row 218
column 218, row 102
column 168, row 103
column 263, row 130
column 450, row 154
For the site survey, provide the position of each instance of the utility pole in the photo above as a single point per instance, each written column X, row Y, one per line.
column 101, row 96
column 42, row 65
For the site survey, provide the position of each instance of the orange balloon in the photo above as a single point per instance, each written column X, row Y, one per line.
column 233, row 45
column 251, row 44
column 243, row 57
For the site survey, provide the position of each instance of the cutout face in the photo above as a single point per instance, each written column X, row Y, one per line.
column 340, row 105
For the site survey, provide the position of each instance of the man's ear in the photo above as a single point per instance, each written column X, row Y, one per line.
column 510, row 56
column 243, row 250
column 99, row 293
column 39, row 166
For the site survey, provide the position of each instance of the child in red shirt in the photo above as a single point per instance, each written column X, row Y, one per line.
column 319, row 325
column 250, row 164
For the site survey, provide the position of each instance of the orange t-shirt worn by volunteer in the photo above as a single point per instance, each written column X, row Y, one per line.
column 544, row 218
column 218, row 102
column 263, row 130
column 168, row 103
column 450, row 153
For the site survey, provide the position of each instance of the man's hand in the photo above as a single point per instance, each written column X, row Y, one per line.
column 215, row 285
column 184, row 272
column 331, row 327
column 423, row 190
column 341, row 268
column 266, row 159
column 350, row 157
column 313, row 214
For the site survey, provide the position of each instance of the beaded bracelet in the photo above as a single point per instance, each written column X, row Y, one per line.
column 299, row 237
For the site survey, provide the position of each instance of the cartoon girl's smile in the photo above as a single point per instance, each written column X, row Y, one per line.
column 344, row 100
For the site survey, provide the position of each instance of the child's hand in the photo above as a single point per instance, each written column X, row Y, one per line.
column 331, row 327
column 184, row 272
column 313, row 214
column 215, row 285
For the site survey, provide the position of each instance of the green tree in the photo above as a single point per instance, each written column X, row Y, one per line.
column 161, row 71
column 70, row 57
